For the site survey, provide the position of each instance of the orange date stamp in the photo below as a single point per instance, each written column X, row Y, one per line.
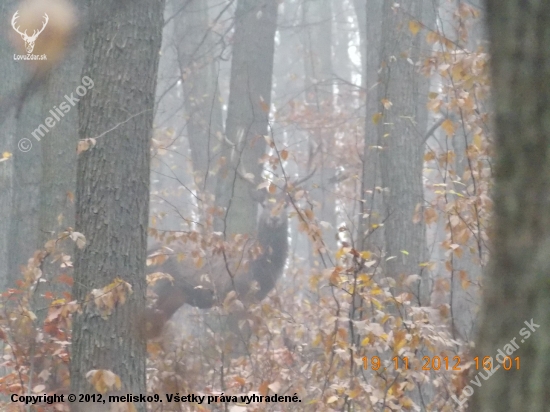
column 436, row 363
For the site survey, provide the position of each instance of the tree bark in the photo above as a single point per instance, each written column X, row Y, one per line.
column 400, row 133
column 201, row 97
column 247, row 112
column 369, row 17
column 517, row 289
column 113, row 189
column 12, row 75
column 317, row 15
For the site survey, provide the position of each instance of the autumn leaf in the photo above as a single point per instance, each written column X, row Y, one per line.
column 449, row 127
column 5, row 156
column 477, row 142
column 414, row 27
column 332, row 399
column 376, row 117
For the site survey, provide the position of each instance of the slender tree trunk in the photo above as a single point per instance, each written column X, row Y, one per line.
column 23, row 236
column 317, row 20
column 203, row 111
column 517, row 291
column 113, row 190
column 11, row 70
column 370, row 234
column 247, row 113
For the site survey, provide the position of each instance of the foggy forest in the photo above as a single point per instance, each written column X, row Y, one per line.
column 275, row 205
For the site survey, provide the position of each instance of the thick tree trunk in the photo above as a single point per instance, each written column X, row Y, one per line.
column 113, row 189
column 517, row 289
column 58, row 179
column 401, row 135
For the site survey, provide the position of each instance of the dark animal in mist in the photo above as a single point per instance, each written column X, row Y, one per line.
column 251, row 282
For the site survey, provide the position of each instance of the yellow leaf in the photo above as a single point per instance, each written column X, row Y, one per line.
column 354, row 393
column 414, row 27
column 365, row 254
column 365, row 341
column 449, row 127
column 400, row 340
column 376, row 117
column 407, row 403
column 405, row 252
column 477, row 141
column 316, row 341
column 332, row 399
column 6, row 155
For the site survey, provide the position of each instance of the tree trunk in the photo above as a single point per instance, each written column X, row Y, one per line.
column 58, row 180
column 317, row 15
column 112, row 201
column 516, row 290
column 369, row 18
column 401, row 135
column 11, row 70
column 199, row 74
column 247, row 113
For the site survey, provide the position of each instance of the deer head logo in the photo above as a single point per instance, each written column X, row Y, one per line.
column 29, row 40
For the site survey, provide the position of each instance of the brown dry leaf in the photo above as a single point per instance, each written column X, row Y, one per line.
column 264, row 387
column 464, row 281
column 284, row 154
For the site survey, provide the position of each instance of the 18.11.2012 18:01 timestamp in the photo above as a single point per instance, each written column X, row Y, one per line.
column 438, row 362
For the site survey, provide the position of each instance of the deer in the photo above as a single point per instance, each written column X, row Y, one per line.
column 29, row 40
column 248, row 283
